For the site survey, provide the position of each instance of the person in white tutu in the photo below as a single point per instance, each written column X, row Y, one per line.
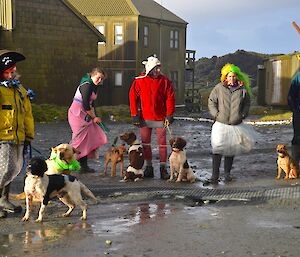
column 229, row 104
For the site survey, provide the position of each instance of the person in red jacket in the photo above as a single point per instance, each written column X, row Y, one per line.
column 152, row 105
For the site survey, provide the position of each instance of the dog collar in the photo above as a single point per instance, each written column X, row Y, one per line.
column 73, row 165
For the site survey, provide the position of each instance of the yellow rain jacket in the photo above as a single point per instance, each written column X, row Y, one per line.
column 16, row 120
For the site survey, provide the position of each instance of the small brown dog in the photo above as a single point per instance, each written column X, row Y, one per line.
column 286, row 163
column 115, row 155
column 134, row 171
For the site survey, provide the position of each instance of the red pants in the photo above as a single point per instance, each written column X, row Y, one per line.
column 161, row 140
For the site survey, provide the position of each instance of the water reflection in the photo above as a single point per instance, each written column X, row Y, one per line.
column 139, row 214
column 34, row 239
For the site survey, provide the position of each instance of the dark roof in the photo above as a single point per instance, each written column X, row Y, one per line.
column 145, row 8
column 150, row 8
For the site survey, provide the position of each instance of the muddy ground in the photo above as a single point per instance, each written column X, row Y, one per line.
column 144, row 227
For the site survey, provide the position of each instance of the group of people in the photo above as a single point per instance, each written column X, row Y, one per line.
column 152, row 106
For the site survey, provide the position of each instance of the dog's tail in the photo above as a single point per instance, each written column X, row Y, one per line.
column 87, row 192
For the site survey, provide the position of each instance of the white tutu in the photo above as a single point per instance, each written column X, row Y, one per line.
column 231, row 140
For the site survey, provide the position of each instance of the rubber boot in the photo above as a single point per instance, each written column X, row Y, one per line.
column 163, row 173
column 296, row 153
column 6, row 204
column 216, row 162
column 148, row 172
column 227, row 167
column 84, row 166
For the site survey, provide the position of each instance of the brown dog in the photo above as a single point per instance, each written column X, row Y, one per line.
column 286, row 163
column 134, row 171
column 115, row 155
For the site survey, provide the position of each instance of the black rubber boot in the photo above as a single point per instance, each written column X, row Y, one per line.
column 163, row 173
column 227, row 167
column 6, row 204
column 296, row 153
column 214, row 179
column 84, row 168
column 148, row 172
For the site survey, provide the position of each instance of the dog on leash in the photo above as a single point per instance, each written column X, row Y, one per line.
column 134, row 171
column 286, row 164
column 63, row 160
column 179, row 167
column 115, row 155
column 45, row 187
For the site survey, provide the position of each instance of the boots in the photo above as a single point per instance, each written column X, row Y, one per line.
column 163, row 173
column 6, row 204
column 148, row 172
column 214, row 179
column 84, row 166
column 227, row 167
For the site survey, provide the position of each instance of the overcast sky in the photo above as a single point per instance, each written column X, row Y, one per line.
column 218, row 27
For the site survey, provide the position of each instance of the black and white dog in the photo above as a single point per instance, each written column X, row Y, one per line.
column 179, row 167
column 45, row 187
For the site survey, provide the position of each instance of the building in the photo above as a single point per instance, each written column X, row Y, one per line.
column 274, row 79
column 134, row 30
column 60, row 45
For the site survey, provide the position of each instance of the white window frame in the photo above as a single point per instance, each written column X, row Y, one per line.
column 146, row 36
column 118, row 76
column 118, row 36
column 174, row 39
column 101, row 28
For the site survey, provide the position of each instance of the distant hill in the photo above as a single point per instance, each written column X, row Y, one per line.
column 208, row 70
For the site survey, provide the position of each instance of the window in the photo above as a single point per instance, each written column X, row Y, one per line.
column 118, row 78
column 174, row 79
column 118, row 35
column 174, row 39
column 101, row 29
column 146, row 36
column 6, row 14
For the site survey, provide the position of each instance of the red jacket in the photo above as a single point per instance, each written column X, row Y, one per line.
column 155, row 97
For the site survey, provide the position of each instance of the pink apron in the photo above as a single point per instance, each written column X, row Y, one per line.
column 87, row 137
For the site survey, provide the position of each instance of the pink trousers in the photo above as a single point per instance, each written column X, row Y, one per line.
column 161, row 139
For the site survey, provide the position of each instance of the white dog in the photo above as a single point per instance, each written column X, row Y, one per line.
column 44, row 187
column 179, row 167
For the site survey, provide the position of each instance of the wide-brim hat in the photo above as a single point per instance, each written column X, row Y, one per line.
column 9, row 58
column 151, row 63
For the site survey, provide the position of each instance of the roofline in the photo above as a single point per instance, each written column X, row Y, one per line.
column 183, row 23
column 133, row 8
column 84, row 19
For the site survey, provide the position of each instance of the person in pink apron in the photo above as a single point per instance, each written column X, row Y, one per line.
column 87, row 136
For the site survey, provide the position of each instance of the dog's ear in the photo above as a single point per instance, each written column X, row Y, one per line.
column 54, row 149
column 182, row 142
column 171, row 141
column 76, row 150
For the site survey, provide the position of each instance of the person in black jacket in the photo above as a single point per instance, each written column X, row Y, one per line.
column 294, row 104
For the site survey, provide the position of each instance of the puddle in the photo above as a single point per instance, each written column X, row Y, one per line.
column 139, row 214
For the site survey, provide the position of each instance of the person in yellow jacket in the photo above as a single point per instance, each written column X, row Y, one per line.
column 16, row 126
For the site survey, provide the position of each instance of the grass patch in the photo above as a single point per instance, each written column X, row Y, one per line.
column 51, row 113
column 270, row 114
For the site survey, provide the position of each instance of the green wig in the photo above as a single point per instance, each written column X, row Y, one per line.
column 241, row 76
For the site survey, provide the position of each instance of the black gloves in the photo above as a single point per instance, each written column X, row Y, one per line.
column 26, row 146
column 168, row 121
column 136, row 121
